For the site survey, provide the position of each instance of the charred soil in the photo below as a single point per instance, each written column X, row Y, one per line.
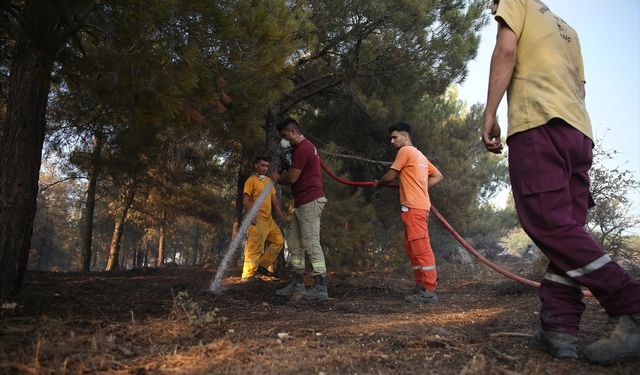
column 166, row 321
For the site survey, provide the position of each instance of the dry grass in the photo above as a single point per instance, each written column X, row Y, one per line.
column 365, row 329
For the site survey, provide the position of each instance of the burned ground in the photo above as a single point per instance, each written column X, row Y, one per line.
column 165, row 321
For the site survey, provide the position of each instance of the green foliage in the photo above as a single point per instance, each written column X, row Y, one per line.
column 490, row 225
column 516, row 241
column 449, row 136
column 178, row 91
column 55, row 239
column 611, row 218
column 346, row 223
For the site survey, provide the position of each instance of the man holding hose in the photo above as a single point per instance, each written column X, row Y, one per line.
column 416, row 175
column 305, row 177
column 257, row 258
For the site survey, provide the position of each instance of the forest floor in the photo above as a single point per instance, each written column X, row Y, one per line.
column 165, row 321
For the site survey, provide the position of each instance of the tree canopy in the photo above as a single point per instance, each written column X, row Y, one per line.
column 149, row 116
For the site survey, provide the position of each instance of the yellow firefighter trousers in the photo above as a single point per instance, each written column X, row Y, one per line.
column 263, row 230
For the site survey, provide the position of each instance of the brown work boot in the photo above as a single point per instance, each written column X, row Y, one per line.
column 559, row 345
column 249, row 280
column 624, row 342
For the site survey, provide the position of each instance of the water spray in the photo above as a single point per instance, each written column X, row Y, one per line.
column 216, row 283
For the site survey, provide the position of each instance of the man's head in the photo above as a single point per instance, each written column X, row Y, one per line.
column 400, row 135
column 290, row 130
column 261, row 165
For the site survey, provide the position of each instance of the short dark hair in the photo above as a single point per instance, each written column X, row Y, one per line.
column 260, row 158
column 289, row 121
column 400, row 127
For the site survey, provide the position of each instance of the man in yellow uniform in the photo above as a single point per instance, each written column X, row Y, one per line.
column 263, row 228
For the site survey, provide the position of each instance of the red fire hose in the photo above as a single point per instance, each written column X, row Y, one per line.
column 455, row 234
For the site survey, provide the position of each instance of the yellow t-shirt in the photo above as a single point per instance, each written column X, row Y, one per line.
column 414, row 170
column 253, row 187
column 549, row 70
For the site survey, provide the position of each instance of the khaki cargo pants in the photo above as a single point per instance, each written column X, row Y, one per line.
column 304, row 237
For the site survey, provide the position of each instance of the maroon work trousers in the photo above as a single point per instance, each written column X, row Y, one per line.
column 548, row 167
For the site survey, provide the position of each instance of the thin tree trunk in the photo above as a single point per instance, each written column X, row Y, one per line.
column 134, row 262
column 175, row 251
column 21, row 141
column 196, row 244
column 95, row 261
column 118, row 230
column 242, row 177
column 87, row 227
column 272, row 138
column 161, row 243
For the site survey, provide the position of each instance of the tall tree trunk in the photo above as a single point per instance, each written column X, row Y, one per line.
column 134, row 258
column 87, row 227
column 242, row 177
column 272, row 143
column 161, row 243
column 146, row 256
column 196, row 244
column 118, row 230
column 95, row 261
column 272, row 139
column 175, row 251
column 21, row 143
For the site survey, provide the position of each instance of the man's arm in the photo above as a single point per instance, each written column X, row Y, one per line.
column 388, row 177
column 503, row 61
column 246, row 202
column 434, row 179
column 288, row 177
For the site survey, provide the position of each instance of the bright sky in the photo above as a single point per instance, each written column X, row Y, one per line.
column 609, row 32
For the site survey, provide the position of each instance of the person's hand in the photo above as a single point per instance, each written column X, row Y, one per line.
column 275, row 176
column 376, row 184
column 491, row 135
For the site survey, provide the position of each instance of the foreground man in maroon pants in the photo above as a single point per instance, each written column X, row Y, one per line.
column 537, row 58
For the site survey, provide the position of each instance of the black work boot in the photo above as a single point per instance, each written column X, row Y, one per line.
column 422, row 296
column 265, row 272
column 559, row 345
column 319, row 289
column 414, row 290
column 624, row 342
column 296, row 286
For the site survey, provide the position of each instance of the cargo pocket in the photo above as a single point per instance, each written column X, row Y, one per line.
column 415, row 223
column 547, row 195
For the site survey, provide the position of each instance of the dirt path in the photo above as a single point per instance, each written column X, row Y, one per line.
column 140, row 322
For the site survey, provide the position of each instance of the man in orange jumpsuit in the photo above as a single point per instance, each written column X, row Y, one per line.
column 417, row 175
column 263, row 228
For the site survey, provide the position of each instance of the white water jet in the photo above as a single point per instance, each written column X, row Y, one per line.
column 216, row 283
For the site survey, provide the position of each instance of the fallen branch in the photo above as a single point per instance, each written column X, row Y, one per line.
column 512, row 334
column 502, row 355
